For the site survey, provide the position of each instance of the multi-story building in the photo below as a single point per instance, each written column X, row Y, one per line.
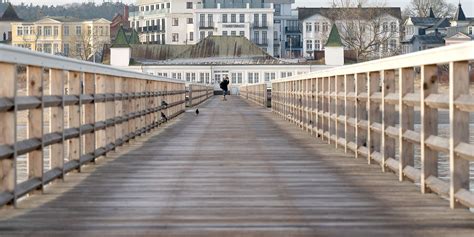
column 164, row 21
column 183, row 22
column 360, row 28
column 7, row 16
column 66, row 36
column 252, row 19
column 429, row 32
column 286, row 34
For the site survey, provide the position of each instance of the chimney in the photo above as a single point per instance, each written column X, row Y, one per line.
column 125, row 12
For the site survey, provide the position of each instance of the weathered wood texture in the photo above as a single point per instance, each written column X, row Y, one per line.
column 234, row 170
column 197, row 94
column 255, row 92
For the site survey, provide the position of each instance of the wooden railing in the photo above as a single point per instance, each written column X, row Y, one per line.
column 199, row 93
column 371, row 109
column 57, row 114
column 256, row 93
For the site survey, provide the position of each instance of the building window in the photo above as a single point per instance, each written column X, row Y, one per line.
column 234, row 78
column 250, row 78
column 256, row 77
column 78, row 30
column 56, row 30
column 242, row 18
column 26, row 30
column 393, row 26
column 202, row 20
column 393, row 44
column 210, row 33
column 193, row 77
column 39, row 47
column 309, row 45
column 175, row 37
column 191, row 36
column 317, row 45
column 264, row 20
column 325, row 27
column 188, row 76
column 256, row 37
column 190, row 20
column 471, row 30
column 264, row 38
column 210, row 20
column 175, row 21
column 385, row 26
column 202, row 34
column 224, row 18
column 55, row 48
column 147, row 8
column 316, row 27
column 19, row 30
column 152, row 7
column 275, row 35
column 255, row 19
column 277, row 8
column 189, row 5
column 66, row 49
column 267, row 76
column 47, row 32
column 233, row 18
column 168, row 5
column 242, row 33
column 224, row 33
column 233, row 33
column 309, row 27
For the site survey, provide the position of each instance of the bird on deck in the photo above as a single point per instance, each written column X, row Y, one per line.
column 164, row 104
column 163, row 117
column 197, row 112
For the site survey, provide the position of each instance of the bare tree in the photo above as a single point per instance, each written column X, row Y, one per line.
column 366, row 30
column 86, row 45
column 421, row 8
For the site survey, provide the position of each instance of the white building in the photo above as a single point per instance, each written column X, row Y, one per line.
column 7, row 17
column 381, row 23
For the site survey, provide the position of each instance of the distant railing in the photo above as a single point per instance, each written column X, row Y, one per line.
column 256, row 93
column 198, row 94
column 372, row 109
column 57, row 114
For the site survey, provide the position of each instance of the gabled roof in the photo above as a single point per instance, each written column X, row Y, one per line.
column 424, row 21
column 304, row 13
column 8, row 13
column 432, row 15
column 334, row 39
column 134, row 39
column 121, row 40
column 441, row 23
column 459, row 16
column 429, row 38
column 460, row 35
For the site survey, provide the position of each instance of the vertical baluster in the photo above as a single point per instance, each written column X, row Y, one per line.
column 74, row 89
column 8, row 132
column 373, row 140
column 429, row 124
column 100, row 113
column 35, row 122
column 350, row 109
column 118, row 103
column 458, row 130
column 320, row 107
column 56, row 119
column 89, row 114
column 340, row 111
column 388, row 116
column 406, row 82
column 361, row 111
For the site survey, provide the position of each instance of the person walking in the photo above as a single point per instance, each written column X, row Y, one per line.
column 224, row 86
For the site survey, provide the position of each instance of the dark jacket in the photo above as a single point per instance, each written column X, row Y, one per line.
column 224, row 84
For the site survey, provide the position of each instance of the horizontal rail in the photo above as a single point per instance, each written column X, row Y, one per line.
column 256, row 93
column 369, row 109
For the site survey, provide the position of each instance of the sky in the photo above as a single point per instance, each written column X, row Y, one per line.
column 468, row 5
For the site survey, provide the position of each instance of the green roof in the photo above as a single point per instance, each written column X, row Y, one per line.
column 334, row 39
column 134, row 38
column 120, row 40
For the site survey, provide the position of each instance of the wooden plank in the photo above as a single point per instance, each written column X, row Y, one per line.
column 100, row 110
column 349, row 111
column 429, row 124
column 56, row 119
column 388, row 116
column 89, row 113
column 406, row 119
column 74, row 120
column 361, row 110
column 374, row 116
column 8, row 131
column 118, row 104
column 35, row 121
column 458, row 130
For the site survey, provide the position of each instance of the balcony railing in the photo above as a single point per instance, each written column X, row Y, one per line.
column 149, row 13
column 370, row 110
column 206, row 25
column 260, row 25
column 292, row 29
column 293, row 45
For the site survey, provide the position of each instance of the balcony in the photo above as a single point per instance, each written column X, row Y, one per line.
column 292, row 30
column 260, row 25
column 149, row 13
column 207, row 25
column 293, row 45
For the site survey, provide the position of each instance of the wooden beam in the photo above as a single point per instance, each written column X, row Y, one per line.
column 406, row 82
column 56, row 120
column 35, row 87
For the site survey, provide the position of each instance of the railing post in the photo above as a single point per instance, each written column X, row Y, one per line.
column 406, row 153
column 340, row 111
column 56, row 119
column 8, row 128
column 89, row 114
column 361, row 112
column 35, row 122
column 349, row 111
column 373, row 140
column 100, row 114
column 388, row 116
column 429, row 124
column 74, row 89
column 118, row 104
column 458, row 130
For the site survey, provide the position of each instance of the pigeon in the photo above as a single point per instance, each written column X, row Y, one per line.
column 164, row 104
column 163, row 117
column 197, row 111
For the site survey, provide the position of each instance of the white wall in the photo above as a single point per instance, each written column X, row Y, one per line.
column 334, row 56
column 5, row 27
column 120, row 57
